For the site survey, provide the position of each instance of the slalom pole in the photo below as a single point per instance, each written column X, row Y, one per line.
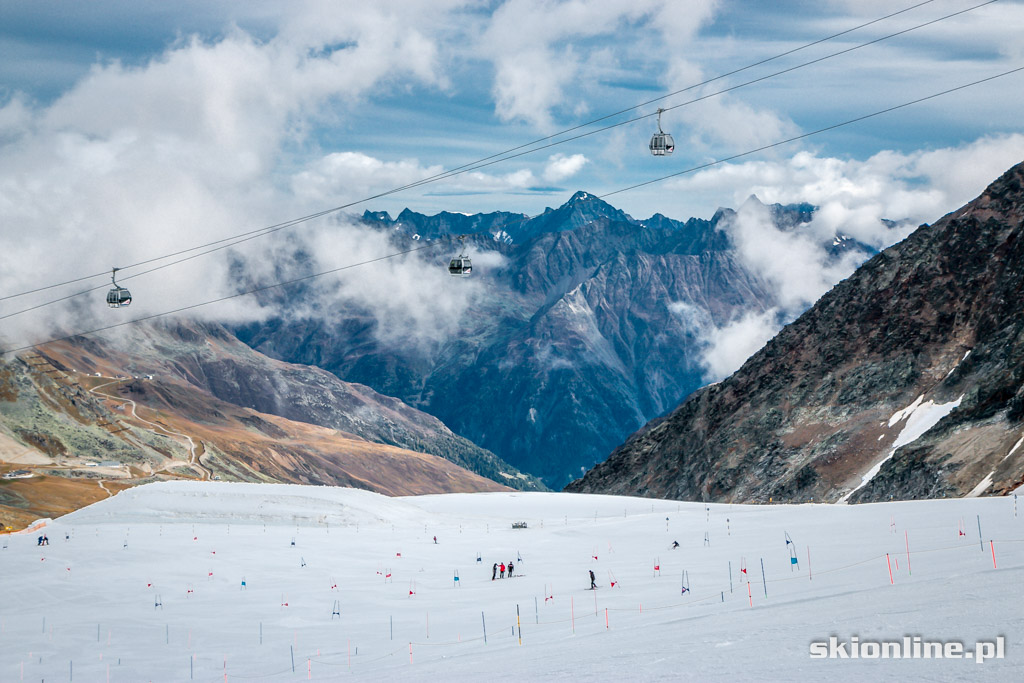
column 993, row 546
column 889, row 564
column 519, row 625
column 907, row 538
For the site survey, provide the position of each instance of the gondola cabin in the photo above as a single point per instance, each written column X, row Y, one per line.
column 460, row 266
column 118, row 296
column 661, row 142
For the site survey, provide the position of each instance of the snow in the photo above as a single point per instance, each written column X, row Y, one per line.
column 982, row 486
column 958, row 364
column 84, row 609
column 920, row 416
column 987, row 481
column 1014, row 449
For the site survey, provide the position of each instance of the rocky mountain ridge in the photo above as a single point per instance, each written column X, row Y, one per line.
column 578, row 342
column 86, row 417
column 906, row 380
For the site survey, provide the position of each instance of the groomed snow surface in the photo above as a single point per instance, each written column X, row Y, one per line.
column 147, row 586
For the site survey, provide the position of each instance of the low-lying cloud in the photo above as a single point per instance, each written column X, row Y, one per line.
column 724, row 346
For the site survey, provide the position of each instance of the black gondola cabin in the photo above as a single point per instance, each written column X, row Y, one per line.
column 118, row 296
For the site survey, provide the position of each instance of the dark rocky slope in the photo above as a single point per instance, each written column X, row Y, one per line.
column 810, row 414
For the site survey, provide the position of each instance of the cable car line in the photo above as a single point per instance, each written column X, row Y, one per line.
column 473, row 165
column 281, row 226
column 607, row 194
column 461, row 169
column 813, row 132
column 255, row 290
column 720, row 92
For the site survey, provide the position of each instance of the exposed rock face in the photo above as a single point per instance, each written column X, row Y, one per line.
column 931, row 328
column 210, row 359
column 577, row 343
column 87, row 417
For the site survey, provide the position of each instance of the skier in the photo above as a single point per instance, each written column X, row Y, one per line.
column 675, row 544
column 501, row 571
column 494, row 571
column 435, row 540
column 593, row 580
column 510, row 569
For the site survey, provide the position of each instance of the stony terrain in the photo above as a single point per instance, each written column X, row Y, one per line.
column 933, row 323
column 84, row 418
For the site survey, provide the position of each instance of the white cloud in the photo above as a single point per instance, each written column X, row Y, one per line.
column 725, row 346
column 411, row 296
column 542, row 55
column 142, row 160
column 794, row 263
column 348, row 176
column 560, row 167
column 853, row 196
column 720, row 119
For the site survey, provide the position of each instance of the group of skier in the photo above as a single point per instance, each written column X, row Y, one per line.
column 498, row 571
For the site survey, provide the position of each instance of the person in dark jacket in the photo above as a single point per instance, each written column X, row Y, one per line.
column 510, row 569
column 494, row 571
column 593, row 580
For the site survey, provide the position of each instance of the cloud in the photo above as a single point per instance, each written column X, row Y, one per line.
column 725, row 346
column 720, row 120
column 411, row 297
column 560, row 167
column 347, row 176
column 854, row 195
column 795, row 264
column 136, row 161
column 544, row 51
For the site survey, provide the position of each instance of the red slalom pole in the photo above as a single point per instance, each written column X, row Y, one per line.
column 993, row 546
column 887, row 562
column 606, row 618
column 749, row 596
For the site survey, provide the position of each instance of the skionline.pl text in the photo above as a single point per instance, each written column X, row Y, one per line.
column 908, row 647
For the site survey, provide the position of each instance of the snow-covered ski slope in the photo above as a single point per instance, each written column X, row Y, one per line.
column 148, row 586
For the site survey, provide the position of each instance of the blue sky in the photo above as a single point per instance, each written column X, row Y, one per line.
column 131, row 129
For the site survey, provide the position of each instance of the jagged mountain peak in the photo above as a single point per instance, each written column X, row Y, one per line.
column 591, row 205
